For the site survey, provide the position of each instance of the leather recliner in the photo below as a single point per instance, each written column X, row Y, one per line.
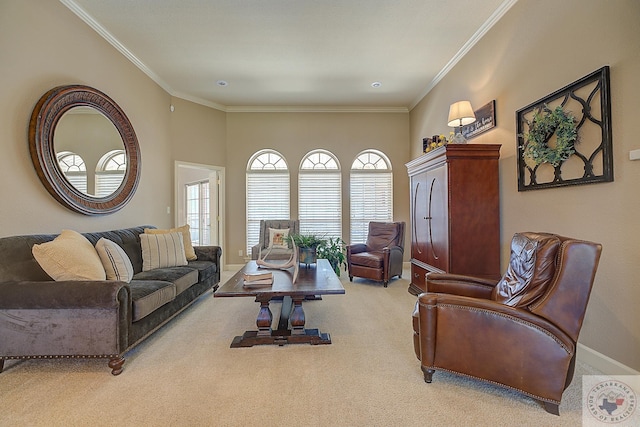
column 520, row 332
column 380, row 258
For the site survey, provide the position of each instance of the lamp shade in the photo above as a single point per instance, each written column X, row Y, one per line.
column 460, row 114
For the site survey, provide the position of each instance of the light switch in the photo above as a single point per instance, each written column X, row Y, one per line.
column 634, row 155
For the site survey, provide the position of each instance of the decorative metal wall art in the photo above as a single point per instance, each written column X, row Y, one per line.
column 565, row 138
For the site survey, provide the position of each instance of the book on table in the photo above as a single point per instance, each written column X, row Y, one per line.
column 258, row 279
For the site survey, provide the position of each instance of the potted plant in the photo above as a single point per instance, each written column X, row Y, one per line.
column 334, row 250
column 308, row 245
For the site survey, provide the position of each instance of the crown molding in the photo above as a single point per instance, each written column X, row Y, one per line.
column 314, row 109
column 97, row 27
column 475, row 38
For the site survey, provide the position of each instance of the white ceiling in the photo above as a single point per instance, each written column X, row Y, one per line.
column 294, row 54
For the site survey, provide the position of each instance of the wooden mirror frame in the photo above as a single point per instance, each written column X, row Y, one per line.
column 46, row 114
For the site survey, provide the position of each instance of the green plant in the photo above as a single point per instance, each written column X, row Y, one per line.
column 544, row 124
column 305, row 240
column 334, row 250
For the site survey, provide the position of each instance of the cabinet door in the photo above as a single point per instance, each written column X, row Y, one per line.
column 419, row 226
column 437, row 219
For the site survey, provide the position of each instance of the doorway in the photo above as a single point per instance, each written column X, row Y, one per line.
column 209, row 216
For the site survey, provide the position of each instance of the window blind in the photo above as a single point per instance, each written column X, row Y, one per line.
column 320, row 203
column 371, row 200
column 267, row 198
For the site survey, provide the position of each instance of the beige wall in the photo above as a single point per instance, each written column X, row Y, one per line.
column 294, row 135
column 540, row 46
column 43, row 45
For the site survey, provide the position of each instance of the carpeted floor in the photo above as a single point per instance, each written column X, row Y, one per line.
column 186, row 375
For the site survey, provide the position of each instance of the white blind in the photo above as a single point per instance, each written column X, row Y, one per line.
column 320, row 203
column 371, row 200
column 78, row 180
column 267, row 198
column 107, row 182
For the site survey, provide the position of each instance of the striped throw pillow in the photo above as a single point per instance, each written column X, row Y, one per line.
column 162, row 250
column 115, row 261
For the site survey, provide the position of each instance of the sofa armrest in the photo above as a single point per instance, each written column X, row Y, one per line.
column 66, row 318
column 61, row 295
column 209, row 253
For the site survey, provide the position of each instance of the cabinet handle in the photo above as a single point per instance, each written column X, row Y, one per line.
column 428, row 218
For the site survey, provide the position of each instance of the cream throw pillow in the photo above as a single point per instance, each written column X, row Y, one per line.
column 115, row 261
column 162, row 250
column 70, row 256
column 277, row 238
column 186, row 239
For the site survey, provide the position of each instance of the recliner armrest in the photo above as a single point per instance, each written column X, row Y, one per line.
column 357, row 248
column 456, row 284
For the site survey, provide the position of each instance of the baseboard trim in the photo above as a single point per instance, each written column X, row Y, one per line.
column 605, row 364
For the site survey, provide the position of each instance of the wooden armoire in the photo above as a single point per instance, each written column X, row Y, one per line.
column 455, row 212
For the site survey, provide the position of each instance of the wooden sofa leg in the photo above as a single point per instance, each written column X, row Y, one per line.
column 116, row 365
column 428, row 374
column 551, row 408
column 1, row 365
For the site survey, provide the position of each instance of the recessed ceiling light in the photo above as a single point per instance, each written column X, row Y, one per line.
column 376, row 84
column 222, row 83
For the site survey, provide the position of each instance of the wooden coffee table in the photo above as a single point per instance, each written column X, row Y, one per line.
column 318, row 279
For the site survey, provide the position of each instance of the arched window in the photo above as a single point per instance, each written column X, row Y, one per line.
column 74, row 169
column 267, row 192
column 371, row 192
column 320, row 195
column 110, row 172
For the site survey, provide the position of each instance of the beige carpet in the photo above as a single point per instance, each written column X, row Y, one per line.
column 186, row 375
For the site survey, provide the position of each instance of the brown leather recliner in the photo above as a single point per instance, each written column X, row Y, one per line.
column 380, row 258
column 521, row 332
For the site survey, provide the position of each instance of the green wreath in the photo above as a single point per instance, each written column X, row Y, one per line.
column 544, row 124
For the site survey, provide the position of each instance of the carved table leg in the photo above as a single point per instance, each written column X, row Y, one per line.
column 265, row 318
column 297, row 317
column 116, row 365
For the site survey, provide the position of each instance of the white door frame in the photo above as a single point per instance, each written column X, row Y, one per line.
column 216, row 175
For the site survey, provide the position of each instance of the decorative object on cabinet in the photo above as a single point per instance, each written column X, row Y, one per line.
column 434, row 142
column 485, row 120
column 455, row 212
column 460, row 114
column 548, row 129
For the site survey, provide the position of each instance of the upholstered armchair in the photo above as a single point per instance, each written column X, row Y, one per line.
column 521, row 332
column 380, row 258
column 280, row 250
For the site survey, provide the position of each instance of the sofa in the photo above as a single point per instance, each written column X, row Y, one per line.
column 45, row 318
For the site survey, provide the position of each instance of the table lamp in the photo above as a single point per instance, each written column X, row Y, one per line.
column 460, row 114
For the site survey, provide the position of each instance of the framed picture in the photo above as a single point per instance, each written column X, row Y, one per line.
column 565, row 138
column 485, row 120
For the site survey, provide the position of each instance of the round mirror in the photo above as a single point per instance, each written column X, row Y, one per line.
column 84, row 149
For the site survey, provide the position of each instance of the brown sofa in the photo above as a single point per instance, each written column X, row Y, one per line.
column 520, row 332
column 42, row 318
